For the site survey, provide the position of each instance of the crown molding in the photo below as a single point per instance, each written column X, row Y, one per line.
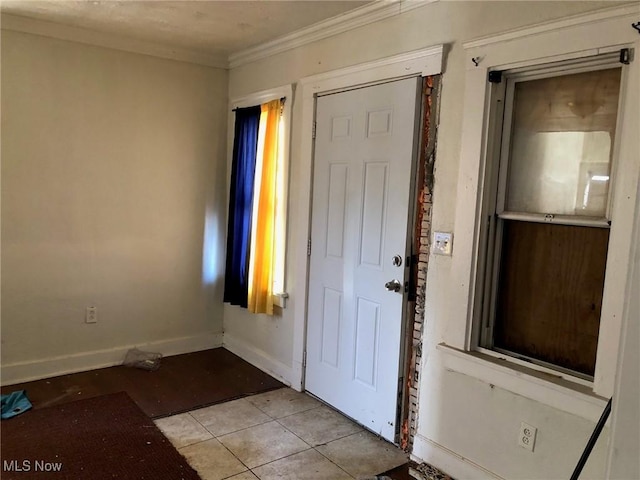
column 117, row 42
column 373, row 12
column 370, row 13
column 567, row 22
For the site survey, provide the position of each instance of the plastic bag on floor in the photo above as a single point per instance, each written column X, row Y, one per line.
column 144, row 360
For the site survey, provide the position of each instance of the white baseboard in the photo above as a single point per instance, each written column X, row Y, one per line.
column 258, row 358
column 425, row 450
column 52, row 367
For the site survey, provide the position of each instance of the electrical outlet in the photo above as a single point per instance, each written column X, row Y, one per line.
column 527, row 436
column 91, row 315
column 442, row 243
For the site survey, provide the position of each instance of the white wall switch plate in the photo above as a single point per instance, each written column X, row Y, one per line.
column 91, row 315
column 442, row 243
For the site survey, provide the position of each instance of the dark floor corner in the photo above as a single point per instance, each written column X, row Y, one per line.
column 399, row 473
column 182, row 383
column 413, row 471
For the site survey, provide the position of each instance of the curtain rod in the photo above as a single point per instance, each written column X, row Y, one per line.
column 282, row 99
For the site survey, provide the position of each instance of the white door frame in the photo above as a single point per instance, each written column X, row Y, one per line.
column 423, row 63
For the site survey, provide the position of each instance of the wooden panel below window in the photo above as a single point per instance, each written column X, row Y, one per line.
column 550, row 292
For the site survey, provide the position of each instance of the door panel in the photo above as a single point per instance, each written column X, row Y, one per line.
column 362, row 181
column 373, row 210
column 338, row 175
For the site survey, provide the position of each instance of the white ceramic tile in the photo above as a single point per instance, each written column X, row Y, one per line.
column 230, row 417
column 183, row 430
column 363, row 454
column 244, row 476
column 283, row 402
column 263, row 444
column 212, row 460
column 308, row 465
column 319, row 425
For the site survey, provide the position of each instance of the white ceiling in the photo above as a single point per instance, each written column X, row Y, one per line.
column 205, row 26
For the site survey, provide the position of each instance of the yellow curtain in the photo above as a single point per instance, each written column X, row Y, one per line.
column 263, row 246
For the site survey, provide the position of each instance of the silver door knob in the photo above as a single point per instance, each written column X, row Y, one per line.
column 393, row 286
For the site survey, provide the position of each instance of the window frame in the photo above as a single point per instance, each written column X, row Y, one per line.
column 570, row 38
column 496, row 182
column 538, row 72
column 285, row 91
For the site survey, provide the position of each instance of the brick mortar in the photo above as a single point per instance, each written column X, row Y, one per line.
column 422, row 245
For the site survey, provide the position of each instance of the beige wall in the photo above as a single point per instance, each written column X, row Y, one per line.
column 624, row 463
column 448, row 400
column 113, row 167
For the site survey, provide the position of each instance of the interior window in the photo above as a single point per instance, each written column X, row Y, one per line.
column 256, row 233
column 548, row 214
column 561, row 143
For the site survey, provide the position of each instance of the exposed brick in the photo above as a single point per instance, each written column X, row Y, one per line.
column 430, row 90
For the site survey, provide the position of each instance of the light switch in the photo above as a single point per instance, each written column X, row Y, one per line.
column 442, row 243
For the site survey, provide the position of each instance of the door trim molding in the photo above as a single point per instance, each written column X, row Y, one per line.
column 424, row 62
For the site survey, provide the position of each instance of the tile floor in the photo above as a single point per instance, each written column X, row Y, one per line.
column 282, row 434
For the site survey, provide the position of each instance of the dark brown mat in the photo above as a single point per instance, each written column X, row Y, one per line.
column 182, row 383
column 413, row 471
column 398, row 473
column 105, row 437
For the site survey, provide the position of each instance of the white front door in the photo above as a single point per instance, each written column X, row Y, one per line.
column 362, row 181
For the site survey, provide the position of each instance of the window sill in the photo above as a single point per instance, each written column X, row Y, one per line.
column 280, row 299
column 542, row 387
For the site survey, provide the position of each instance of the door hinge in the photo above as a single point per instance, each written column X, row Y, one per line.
column 304, row 359
column 313, row 130
column 308, row 247
column 625, row 56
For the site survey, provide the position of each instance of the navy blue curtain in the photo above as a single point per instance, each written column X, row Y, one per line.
column 245, row 146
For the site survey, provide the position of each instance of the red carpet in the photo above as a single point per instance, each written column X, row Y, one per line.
column 100, row 438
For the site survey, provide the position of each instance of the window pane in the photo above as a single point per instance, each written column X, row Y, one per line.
column 561, row 143
column 550, row 292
